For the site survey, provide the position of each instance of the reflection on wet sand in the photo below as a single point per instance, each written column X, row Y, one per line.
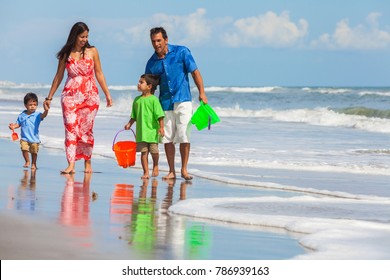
column 75, row 206
column 138, row 216
column 147, row 227
column 143, row 225
column 121, row 203
column 25, row 197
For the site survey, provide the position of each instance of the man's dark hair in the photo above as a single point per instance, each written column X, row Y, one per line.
column 157, row 30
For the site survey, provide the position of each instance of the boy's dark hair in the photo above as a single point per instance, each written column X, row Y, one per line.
column 157, row 30
column 30, row 96
column 153, row 80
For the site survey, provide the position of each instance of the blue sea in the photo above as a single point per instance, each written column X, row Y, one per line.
column 327, row 147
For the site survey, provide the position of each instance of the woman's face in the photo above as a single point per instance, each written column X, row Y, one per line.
column 82, row 39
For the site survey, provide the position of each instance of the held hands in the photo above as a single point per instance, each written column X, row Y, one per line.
column 46, row 106
column 47, row 103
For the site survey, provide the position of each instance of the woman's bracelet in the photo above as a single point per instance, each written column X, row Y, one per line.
column 47, row 98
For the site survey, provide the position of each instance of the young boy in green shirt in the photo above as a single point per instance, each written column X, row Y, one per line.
column 149, row 117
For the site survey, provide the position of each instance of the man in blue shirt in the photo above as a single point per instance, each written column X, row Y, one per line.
column 173, row 64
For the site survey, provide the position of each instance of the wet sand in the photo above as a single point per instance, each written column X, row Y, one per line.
column 113, row 214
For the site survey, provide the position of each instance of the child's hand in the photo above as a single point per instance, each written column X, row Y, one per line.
column 161, row 132
column 127, row 126
column 11, row 126
column 46, row 106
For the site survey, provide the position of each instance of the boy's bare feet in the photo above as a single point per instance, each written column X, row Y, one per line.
column 26, row 164
column 34, row 167
column 155, row 171
column 145, row 176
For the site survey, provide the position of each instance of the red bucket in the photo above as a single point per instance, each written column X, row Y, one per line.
column 125, row 151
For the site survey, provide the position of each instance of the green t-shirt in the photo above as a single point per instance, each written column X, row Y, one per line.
column 146, row 111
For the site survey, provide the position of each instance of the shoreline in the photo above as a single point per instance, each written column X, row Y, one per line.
column 57, row 216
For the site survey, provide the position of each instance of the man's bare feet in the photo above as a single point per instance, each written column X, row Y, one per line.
column 186, row 176
column 171, row 175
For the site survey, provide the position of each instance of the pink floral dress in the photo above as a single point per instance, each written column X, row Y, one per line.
column 80, row 103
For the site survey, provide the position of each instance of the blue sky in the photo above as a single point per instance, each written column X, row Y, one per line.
column 235, row 43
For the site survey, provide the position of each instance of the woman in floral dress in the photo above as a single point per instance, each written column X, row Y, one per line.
column 80, row 97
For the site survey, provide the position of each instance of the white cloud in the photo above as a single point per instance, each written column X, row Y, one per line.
column 191, row 29
column 268, row 29
column 361, row 37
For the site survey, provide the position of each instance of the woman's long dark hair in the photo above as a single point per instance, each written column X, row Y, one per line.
column 77, row 29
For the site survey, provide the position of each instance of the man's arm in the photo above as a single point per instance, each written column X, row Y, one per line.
column 199, row 84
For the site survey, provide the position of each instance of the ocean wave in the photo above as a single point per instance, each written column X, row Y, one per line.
column 329, row 90
column 123, row 88
column 240, row 89
column 380, row 91
column 8, row 84
column 325, row 222
column 363, row 111
column 317, row 116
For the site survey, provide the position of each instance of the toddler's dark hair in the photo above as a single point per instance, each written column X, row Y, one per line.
column 30, row 96
column 153, row 80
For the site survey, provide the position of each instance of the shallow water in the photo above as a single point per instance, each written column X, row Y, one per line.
column 118, row 215
column 328, row 143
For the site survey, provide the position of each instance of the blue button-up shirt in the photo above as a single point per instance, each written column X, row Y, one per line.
column 173, row 70
column 29, row 126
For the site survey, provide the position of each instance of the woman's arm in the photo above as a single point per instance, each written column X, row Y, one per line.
column 100, row 76
column 56, row 81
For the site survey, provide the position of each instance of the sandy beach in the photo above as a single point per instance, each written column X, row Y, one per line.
column 113, row 214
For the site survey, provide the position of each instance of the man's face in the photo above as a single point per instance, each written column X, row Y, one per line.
column 160, row 44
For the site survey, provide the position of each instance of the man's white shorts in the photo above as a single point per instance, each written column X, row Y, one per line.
column 177, row 123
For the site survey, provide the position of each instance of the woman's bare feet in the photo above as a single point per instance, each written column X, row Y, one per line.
column 68, row 172
column 69, row 169
column 87, row 166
